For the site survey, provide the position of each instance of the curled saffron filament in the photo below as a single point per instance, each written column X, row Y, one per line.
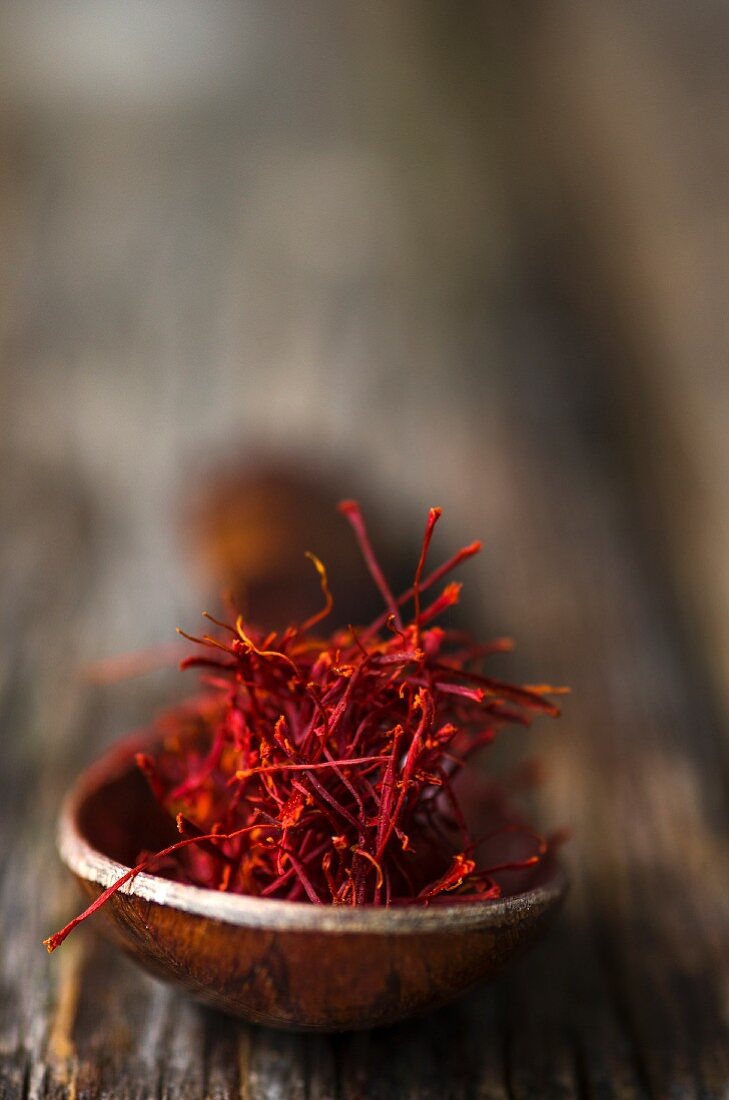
column 324, row 768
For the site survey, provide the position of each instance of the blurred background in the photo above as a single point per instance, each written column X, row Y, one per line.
column 259, row 256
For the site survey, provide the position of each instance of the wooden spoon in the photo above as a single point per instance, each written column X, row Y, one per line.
column 285, row 964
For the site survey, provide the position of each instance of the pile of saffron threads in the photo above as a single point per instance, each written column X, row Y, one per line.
column 321, row 769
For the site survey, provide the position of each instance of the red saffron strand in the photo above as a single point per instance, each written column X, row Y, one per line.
column 57, row 939
column 433, row 516
column 351, row 509
column 458, row 558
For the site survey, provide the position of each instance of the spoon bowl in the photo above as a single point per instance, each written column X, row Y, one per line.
column 284, row 964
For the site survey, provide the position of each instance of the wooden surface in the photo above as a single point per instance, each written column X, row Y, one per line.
column 313, row 272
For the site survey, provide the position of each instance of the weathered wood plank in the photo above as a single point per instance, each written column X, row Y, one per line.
column 152, row 317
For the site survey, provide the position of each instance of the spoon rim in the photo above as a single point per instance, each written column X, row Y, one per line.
column 245, row 911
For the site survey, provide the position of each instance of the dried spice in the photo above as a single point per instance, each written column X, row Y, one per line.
column 324, row 769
